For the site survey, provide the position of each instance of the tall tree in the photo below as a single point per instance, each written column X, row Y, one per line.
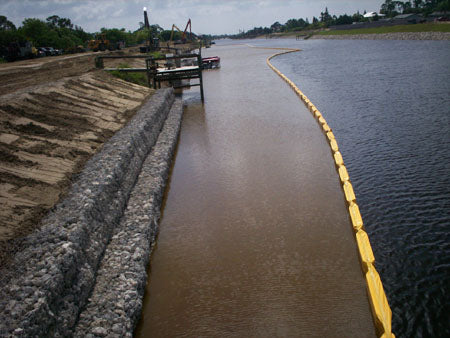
column 406, row 6
column 56, row 21
column 276, row 27
column 325, row 16
column 388, row 7
column 5, row 24
column 443, row 6
column 402, row 6
column 52, row 20
column 39, row 33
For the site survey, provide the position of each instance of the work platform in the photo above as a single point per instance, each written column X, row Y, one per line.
column 173, row 72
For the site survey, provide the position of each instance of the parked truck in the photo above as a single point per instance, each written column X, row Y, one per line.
column 19, row 51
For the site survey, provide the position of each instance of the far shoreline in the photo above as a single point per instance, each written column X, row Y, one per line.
column 424, row 35
column 418, row 36
column 388, row 36
column 422, row 31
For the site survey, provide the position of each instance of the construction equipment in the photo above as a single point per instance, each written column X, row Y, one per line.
column 19, row 51
column 183, row 33
column 173, row 30
column 100, row 43
column 152, row 42
column 190, row 30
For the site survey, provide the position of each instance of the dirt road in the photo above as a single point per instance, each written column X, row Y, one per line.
column 55, row 113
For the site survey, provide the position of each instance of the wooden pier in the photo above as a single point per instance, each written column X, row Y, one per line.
column 156, row 75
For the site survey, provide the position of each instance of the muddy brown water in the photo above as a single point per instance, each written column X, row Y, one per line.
column 255, row 240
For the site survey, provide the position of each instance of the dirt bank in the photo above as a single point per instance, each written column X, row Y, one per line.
column 83, row 272
column 55, row 113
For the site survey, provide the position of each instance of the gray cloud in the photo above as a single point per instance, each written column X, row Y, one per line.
column 208, row 16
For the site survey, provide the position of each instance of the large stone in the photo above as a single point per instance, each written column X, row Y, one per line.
column 60, row 261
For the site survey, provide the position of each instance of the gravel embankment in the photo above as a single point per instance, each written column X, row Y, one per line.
column 388, row 36
column 122, row 275
column 50, row 282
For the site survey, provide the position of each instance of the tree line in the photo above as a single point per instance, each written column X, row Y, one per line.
column 61, row 33
column 392, row 8
column 389, row 8
column 55, row 31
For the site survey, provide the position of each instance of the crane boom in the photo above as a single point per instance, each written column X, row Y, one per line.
column 173, row 27
column 183, row 33
column 190, row 30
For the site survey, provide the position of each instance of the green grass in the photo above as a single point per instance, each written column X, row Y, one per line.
column 137, row 78
column 157, row 54
column 2, row 60
column 421, row 27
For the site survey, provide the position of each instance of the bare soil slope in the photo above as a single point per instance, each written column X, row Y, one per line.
column 55, row 113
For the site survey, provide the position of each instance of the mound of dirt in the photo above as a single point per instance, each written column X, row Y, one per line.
column 54, row 115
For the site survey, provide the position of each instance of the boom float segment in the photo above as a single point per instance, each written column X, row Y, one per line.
column 381, row 311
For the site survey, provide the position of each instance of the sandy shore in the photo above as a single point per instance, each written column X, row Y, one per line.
column 56, row 113
column 83, row 272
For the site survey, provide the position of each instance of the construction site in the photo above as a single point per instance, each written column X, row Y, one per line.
column 55, row 114
column 127, row 211
column 63, row 122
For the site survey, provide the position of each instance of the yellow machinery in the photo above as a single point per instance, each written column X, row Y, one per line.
column 100, row 43
column 173, row 29
column 183, row 33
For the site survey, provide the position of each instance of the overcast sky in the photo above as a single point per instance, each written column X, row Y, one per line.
column 208, row 16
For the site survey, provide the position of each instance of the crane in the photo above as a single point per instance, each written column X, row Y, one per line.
column 183, row 33
column 190, row 30
column 173, row 29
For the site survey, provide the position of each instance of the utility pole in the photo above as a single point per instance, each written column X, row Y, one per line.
column 147, row 25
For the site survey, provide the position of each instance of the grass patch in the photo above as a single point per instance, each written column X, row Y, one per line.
column 420, row 27
column 157, row 54
column 2, row 60
column 137, row 78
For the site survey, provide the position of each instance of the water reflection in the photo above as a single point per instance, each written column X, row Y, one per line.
column 255, row 238
column 388, row 104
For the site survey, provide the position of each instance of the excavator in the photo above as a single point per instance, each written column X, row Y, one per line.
column 183, row 33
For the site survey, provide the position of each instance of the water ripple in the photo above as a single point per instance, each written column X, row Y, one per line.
column 388, row 103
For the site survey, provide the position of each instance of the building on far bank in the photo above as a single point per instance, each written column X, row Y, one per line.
column 371, row 15
column 439, row 16
column 404, row 19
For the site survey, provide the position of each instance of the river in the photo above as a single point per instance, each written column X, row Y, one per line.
column 255, row 239
column 388, row 103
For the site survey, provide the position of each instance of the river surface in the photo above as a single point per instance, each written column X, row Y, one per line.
column 255, row 239
column 388, row 103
